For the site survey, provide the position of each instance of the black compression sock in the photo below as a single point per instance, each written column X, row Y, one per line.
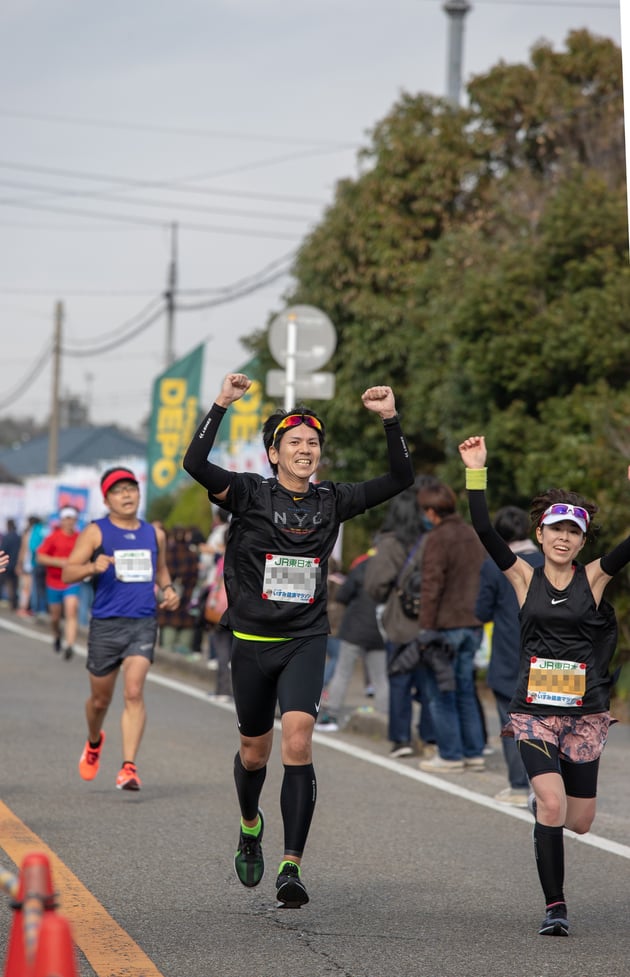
column 549, row 852
column 297, row 803
column 249, row 784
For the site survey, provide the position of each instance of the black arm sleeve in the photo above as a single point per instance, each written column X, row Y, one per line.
column 616, row 560
column 212, row 477
column 400, row 475
column 497, row 548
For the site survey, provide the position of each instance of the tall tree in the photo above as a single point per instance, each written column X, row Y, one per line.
column 479, row 264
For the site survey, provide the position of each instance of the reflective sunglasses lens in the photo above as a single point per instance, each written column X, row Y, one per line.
column 565, row 509
column 294, row 420
column 291, row 421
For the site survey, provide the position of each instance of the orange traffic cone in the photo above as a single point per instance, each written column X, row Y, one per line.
column 34, row 894
column 55, row 952
column 16, row 964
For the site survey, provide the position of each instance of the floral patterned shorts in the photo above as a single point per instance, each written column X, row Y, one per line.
column 579, row 739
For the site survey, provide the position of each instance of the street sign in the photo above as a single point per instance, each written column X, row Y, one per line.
column 314, row 333
column 310, row 386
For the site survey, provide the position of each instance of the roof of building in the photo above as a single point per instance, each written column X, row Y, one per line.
column 6, row 478
column 87, row 445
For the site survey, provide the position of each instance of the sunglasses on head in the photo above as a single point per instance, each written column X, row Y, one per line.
column 294, row 420
column 566, row 509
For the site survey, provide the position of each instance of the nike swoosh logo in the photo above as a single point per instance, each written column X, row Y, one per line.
column 560, row 600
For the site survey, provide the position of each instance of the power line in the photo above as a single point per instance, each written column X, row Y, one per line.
column 30, row 377
column 196, row 208
column 126, row 293
column 115, row 340
column 130, row 329
column 243, row 282
column 115, row 343
column 223, row 300
column 147, row 221
column 174, row 130
column 546, row 3
column 178, row 185
column 269, row 161
column 116, row 333
column 89, row 293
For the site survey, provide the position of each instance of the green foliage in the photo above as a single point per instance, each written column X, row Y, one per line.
column 160, row 509
column 479, row 265
column 191, row 508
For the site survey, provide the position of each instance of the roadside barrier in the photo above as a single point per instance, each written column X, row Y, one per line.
column 40, row 942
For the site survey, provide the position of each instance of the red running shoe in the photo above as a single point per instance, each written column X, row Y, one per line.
column 90, row 759
column 128, row 778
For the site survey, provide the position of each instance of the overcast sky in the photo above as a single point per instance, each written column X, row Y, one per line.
column 232, row 118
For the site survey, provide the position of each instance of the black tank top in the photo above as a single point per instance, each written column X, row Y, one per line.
column 567, row 644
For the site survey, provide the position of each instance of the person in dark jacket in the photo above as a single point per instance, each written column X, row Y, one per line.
column 451, row 561
column 177, row 627
column 497, row 602
column 359, row 637
column 11, row 542
column 399, row 547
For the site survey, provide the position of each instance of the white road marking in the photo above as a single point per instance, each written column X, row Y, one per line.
column 359, row 753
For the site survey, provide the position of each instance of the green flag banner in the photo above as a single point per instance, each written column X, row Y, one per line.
column 174, row 415
column 244, row 419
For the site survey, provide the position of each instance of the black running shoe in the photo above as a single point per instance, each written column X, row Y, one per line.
column 57, row 644
column 556, row 922
column 290, row 890
column 68, row 652
column 248, row 861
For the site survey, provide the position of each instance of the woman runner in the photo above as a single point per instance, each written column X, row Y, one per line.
column 560, row 710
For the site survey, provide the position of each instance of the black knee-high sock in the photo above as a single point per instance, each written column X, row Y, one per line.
column 297, row 803
column 249, row 784
column 549, row 851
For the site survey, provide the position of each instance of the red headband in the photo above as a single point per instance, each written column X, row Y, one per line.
column 119, row 475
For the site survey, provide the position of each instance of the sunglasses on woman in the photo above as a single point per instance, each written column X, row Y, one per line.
column 567, row 509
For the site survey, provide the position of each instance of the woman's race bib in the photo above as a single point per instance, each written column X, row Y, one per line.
column 133, row 566
column 290, row 578
column 556, row 683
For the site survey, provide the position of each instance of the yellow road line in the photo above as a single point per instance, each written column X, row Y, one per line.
column 105, row 944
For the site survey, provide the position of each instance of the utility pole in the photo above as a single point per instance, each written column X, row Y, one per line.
column 456, row 11
column 53, row 434
column 169, row 295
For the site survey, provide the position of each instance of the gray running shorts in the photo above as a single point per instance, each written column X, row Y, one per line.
column 112, row 639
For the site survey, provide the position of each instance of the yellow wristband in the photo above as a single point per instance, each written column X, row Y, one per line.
column 476, row 478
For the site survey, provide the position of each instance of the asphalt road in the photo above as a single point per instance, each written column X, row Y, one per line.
column 409, row 874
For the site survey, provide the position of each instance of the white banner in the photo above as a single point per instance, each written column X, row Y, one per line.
column 38, row 495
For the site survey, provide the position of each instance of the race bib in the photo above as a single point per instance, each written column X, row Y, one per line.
column 290, row 578
column 556, row 683
column 133, row 566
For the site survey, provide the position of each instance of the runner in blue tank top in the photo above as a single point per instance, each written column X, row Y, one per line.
column 559, row 713
column 125, row 557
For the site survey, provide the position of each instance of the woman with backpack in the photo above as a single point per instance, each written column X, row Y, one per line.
column 399, row 547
